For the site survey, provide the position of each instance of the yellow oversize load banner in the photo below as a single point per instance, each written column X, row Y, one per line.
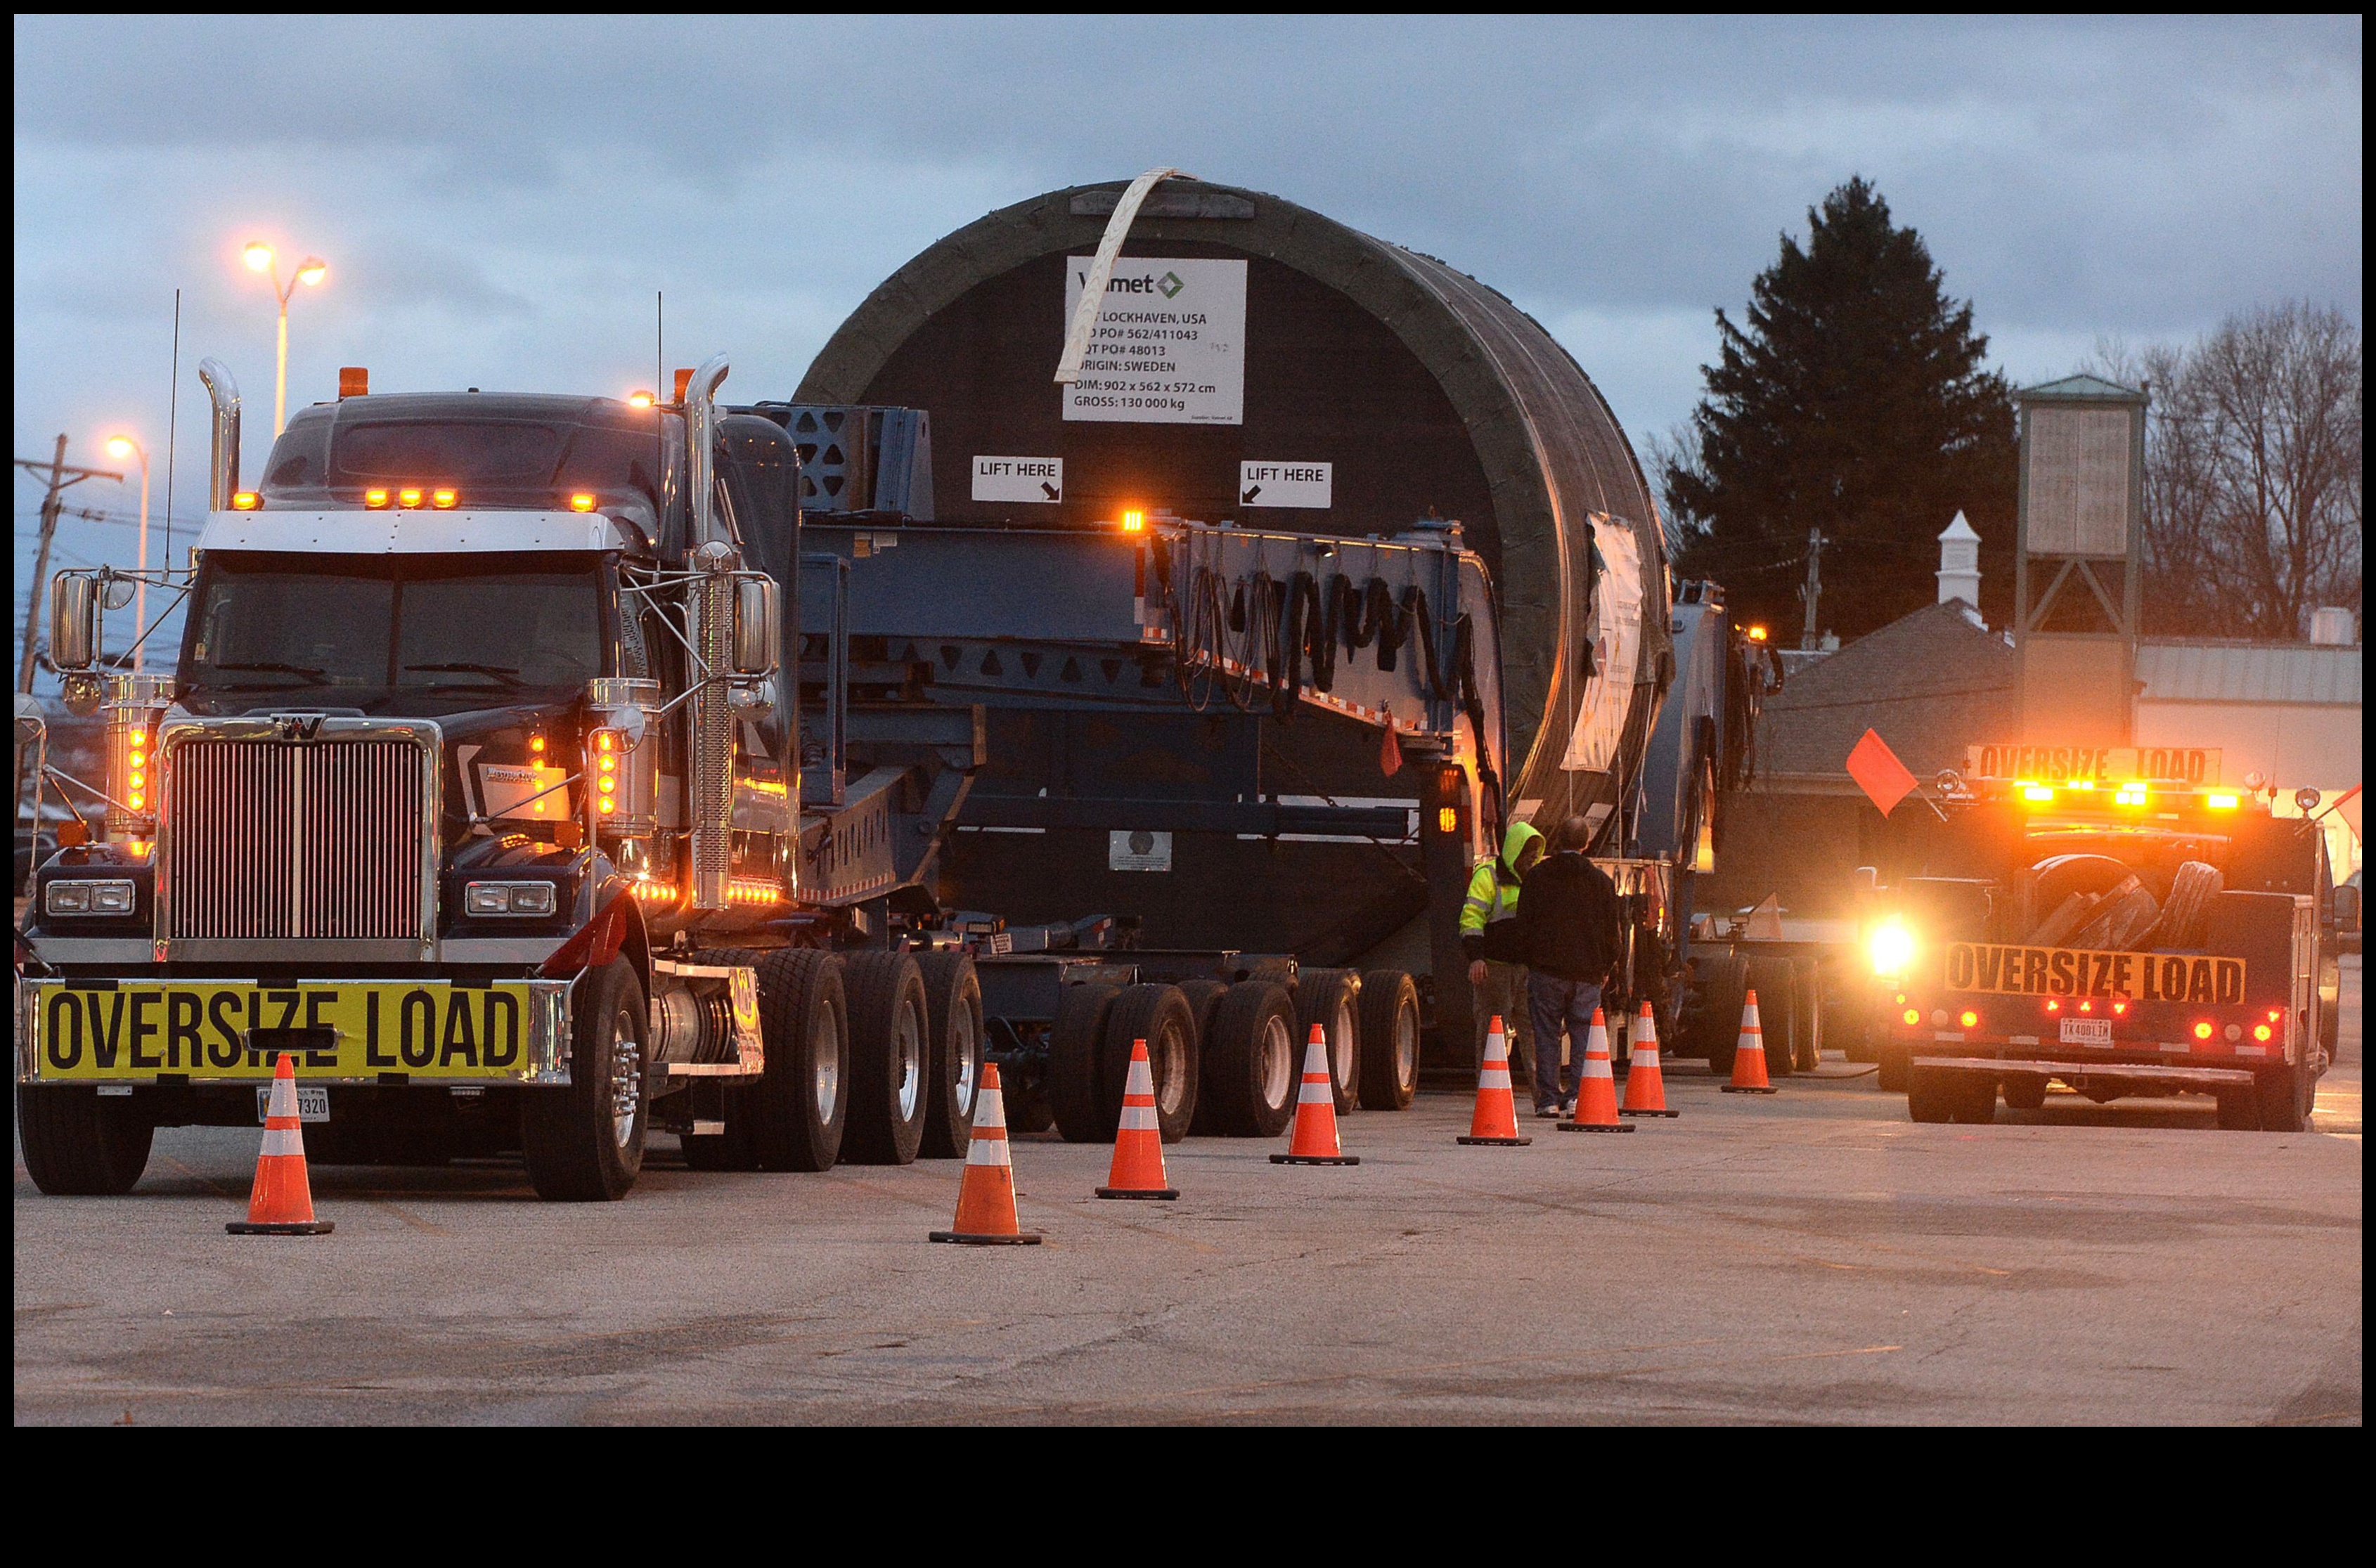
column 2006, row 970
column 351, row 1030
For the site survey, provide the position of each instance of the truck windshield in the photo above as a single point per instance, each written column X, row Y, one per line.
column 356, row 631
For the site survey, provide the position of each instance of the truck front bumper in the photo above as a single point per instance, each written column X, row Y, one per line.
column 196, row 1031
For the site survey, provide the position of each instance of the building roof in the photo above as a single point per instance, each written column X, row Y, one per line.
column 1930, row 684
column 2083, row 387
column 2244, row 671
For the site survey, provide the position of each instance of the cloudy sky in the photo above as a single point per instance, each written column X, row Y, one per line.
column 498, row 199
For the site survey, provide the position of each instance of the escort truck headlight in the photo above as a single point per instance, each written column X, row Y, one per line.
column 108, row 897
column 1893, row 948
column 508, row 898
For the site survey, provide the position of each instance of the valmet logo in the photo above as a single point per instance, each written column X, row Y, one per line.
column 1168, row 285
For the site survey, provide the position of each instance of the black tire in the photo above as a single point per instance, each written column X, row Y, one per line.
column 1390, row 1039
column 1203, row 1000
column 953, row 1005
column 2058, row 878
column 2285, row 1095
column 1975, row 1101
column 890, row 1059
column 1076, row 1041
column 1723, row 983
column 579, row 1148
column 1778, row 1013
column 1931, row 1095
column 1331, row 998
column 1895, row 1064
column 2024, row 1093
column 2184, row 912
column 2239, row 1111
column 1160, row 1015
column 798, row 1109
column 77, row 1145
column 1256, row 1063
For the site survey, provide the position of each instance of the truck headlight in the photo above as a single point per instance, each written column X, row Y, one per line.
column 108, row 897
column 1893, row 948
column 508, row 898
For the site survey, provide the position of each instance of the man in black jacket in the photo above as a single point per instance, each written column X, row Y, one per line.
column 1569, row 933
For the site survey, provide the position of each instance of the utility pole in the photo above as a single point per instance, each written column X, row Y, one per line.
column 60, row 474
column 1813, row 592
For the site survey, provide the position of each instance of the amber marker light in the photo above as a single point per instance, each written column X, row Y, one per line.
column 639, row 398
column 582, row 502
column 376, row 499
column 1133, row 522
column 443, row 499
column 408, row 496
column 2038, row 794
column 2221, row 803
column 2130, row 795
column 247, row 501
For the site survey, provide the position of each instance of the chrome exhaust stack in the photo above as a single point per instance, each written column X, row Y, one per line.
column 222, row 466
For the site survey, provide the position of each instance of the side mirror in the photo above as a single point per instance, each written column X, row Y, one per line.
column 74, row 622
column 1865, row 879
column 2347, row 908
column 758, row 628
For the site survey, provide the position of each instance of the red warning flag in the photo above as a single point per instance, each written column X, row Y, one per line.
column 1879, row 773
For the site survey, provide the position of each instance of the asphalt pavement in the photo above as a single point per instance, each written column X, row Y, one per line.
column 1811, row 1257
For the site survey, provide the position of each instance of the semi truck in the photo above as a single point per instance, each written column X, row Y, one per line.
column 2121, row 924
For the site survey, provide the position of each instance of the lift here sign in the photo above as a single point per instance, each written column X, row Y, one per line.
column 1170, row 343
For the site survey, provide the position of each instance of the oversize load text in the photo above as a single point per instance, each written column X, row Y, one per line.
column 2073, row 971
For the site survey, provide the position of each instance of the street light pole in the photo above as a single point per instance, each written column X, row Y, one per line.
column 120, row 447
column 310, row 270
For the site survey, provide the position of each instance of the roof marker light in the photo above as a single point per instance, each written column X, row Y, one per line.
column 443, row 499
column 582, row 502
column 2220, row 801
column 2036, row 793
column 247, row 501
column 1133, row 522
column 408, row 496
column 376, row 499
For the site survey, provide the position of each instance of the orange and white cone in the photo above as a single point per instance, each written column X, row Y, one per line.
column 1749, row 1056
column 281, row 1204
column 986, row 1196
column 1496, row 1118
column 1645, row 1087
column 1138, row 1147
column 1315, row 1142
column 1596, row 1086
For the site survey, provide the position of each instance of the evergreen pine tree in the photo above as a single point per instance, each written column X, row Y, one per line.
column 1854, row 401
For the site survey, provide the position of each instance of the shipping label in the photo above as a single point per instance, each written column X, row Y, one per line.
column 1170, row 343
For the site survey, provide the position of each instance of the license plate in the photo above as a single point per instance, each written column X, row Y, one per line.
column 2086, row 1032
column 313, row 1103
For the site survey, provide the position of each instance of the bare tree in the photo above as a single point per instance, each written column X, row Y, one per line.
column 2252, row 472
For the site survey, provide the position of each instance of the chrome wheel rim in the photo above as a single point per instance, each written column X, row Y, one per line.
column 1277, row 1061
column 967, row 1049
column 627, row 1078
column 1406, row 1048
column 825, row 1063
column 1341, row 1036
column 907, row 1062
column 1167, row 1055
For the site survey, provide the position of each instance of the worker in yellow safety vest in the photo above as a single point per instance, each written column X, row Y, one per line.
column 1489, row 925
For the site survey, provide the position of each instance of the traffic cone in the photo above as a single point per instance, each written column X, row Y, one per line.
column 1138, row 1147
column 1496, row 1120
column 1596, row 1086
column 986, row 1195
column 1645, row 1087
column 1749, row 1056
column 1315, row 1142
column 281, row 1202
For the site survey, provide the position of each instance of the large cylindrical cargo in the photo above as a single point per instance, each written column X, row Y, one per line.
column 1293, row 341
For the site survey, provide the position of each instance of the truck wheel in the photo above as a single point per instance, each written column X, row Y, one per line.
column 2024, row 1093
column 1203, row 1000
column 799, row 1107
column 1976, row 1102
column 2191, row 888
column 1076, row 1047
column 1930, row 1095
column 2285, row 1099
column 1254, row 1068
column 1895, row 1063
column 585, row 1143
column 1389, row 1034
column 79, row 1145
column 1778, row 1013
column 1161, row 1017
column 890, row 1053
column 1331, row 998
column 953, row 1008
column 1716, row 1021
column 2239, row 1111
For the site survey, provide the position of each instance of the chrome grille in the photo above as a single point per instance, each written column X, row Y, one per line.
column 270, row 838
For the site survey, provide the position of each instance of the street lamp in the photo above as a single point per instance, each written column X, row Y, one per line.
column 310, row 270
column 120, row 447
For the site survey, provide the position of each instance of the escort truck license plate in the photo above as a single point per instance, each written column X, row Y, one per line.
column 219, row 1029
column 2086, row 1032
column 313, row 1103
